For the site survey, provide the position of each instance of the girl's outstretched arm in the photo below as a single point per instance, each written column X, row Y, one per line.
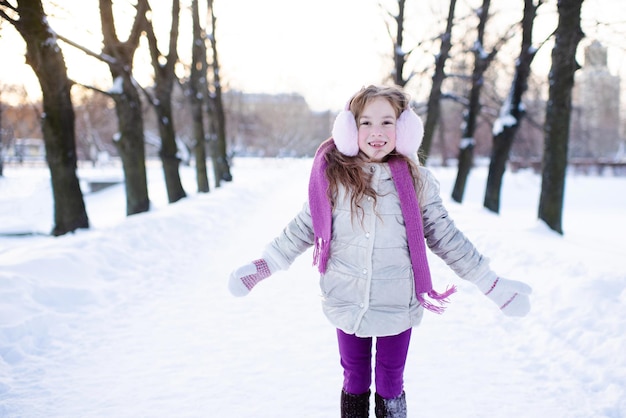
column 296, row 238
column 453, row 247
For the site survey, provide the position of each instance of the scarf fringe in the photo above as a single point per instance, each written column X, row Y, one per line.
column 440, row 298
column 320, row 254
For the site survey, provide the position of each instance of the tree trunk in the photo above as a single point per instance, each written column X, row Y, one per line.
column 220, row 160
column 130, row 143
column 466, row 150
column 169, row 148
column 465, row 163
column 199, row 147
column 399, row 58
column 195, row 94
column 511, row 113
column 130, row 146
column 434, row 98
column 558, row 112
column 164, row 80
column 497, row 166
column 46, row 58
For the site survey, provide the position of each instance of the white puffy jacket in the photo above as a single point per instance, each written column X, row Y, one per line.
column 368, row 287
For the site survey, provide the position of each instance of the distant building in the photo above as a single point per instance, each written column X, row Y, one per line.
column 274, row 125
column 596, row 107
column 22, row 150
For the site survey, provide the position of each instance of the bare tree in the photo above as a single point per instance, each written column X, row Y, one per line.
column 164, row 76
column 396, row 25
column 129, row 140
column 221, row 166
column 439, row 75
column 558, row 112
column 466, row 148
column 195, row 88
column 482, row 60
column 130, row 143
column 47, row 61
column 399, row 57
column 512, row 110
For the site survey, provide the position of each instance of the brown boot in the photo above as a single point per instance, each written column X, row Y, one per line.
column 390, row 408
column 355, row 406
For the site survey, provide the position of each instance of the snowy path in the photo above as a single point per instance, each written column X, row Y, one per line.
column 135, row 320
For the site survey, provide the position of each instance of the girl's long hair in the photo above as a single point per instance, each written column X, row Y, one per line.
column 348, row 171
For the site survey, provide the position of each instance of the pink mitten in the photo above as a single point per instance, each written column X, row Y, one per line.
column 246, row 277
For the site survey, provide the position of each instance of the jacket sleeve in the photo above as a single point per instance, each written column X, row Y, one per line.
column 444, row 238
column 295, row 239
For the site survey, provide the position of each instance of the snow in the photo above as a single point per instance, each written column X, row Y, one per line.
column 467, row 142
column 132, row 318
column 118, row 86
column 505, row 118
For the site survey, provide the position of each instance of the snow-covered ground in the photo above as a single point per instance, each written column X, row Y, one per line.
column 133, row 318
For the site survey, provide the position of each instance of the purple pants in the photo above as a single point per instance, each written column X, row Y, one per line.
column 356, row 360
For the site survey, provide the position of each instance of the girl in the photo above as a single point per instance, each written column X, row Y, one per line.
column 370, row 211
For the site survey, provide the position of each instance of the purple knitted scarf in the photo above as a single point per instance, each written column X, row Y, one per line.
column 321, row 214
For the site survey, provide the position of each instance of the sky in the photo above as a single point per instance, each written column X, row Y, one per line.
column 132, row 318
column 325, row 50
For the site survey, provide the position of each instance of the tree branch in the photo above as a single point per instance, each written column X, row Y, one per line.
column 102, row 57
column 8, row 5
column 89, row 87
column 151, row 99
column 455, row 98
column 139, row 23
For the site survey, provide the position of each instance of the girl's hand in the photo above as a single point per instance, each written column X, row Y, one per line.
column 246, row 277
column 511, row 296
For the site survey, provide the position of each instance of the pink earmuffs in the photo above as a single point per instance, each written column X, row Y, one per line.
column 409, row 133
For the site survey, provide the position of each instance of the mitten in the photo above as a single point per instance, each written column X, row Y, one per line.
column 246, row 277
column 511, row 296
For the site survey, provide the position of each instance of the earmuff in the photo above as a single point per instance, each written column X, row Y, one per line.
column 409, row 133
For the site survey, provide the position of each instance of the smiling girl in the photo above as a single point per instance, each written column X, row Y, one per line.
column 370, row 214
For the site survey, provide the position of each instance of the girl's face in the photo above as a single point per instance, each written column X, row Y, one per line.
column 377, row 129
